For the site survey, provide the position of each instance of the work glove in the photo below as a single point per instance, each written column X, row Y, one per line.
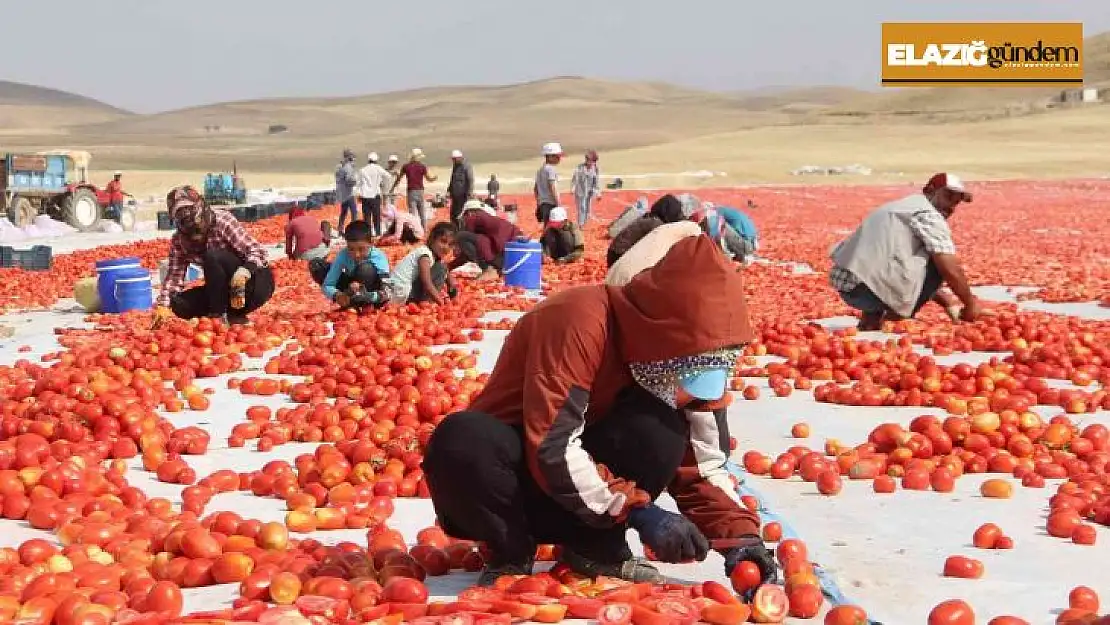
column 671, row 537
column 239, row 288
column 750, row 548
column 452, row 292
column 362, row 298
column 162, row 314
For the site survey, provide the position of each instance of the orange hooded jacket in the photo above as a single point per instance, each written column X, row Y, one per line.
column 565, row 361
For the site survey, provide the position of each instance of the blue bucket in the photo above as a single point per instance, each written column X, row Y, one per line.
column 523, row 264
column 106, row 271
column 133, row 291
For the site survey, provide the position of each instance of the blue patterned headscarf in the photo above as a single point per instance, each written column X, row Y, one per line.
column 661, row 378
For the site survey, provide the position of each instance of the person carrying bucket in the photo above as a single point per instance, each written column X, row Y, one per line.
column 562, row 239
column 482, row 241
column 237, row 275
column 357, row 276
column 582, row 426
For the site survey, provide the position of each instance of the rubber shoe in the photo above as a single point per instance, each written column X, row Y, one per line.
column 634, row 570
column 493, row 572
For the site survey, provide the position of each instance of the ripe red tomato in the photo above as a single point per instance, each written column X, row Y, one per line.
column 952, row 612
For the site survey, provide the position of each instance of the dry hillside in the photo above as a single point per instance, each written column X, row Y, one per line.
column 492, row 123
column 28, row 109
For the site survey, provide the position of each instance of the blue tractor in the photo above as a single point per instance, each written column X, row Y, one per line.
column 51, row 183
column 225, row 188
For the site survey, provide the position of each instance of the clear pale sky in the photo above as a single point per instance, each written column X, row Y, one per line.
column 153, row 55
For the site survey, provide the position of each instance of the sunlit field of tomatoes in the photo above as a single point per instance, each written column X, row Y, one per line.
column 113, row 442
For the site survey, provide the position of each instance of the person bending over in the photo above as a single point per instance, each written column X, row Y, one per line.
column 422, row 274
column 897, row 259
column 305, row 238
column 356, row 278
column 237, row 276
column 583, row 425
column 482, row 241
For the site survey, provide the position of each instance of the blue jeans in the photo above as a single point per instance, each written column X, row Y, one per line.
column 583, row 206
column 864, row 300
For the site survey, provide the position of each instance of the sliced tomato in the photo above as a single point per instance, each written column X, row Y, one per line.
column 726, row 613
column 718, row 592
column 458, row 618
column 550, row 613
column 581, row 607
column 477, row 593
column 409, row 611
column 438, row 608
column 492, row 619
column 469, row 605
column 769, row 604
column 643, row 615
column 249, row 612
column 374, row 613
column 614, row 614
column 277, row 614
column 626, row 594
column 427, row 620
column 534, row 598
column 681, row 609
column 315, row 605
column 515, row 609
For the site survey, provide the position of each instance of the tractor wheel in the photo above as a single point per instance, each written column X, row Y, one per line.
column 81, row 210
column 21, row 212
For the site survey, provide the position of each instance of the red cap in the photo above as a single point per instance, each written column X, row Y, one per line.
column 947, row 181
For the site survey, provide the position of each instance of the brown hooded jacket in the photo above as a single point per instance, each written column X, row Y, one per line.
column 565, row 361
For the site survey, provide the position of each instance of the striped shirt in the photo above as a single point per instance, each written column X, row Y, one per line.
column 225, row 233
column 929, row 226
column 585, row 181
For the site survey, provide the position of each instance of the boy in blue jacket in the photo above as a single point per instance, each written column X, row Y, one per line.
column 357, row 277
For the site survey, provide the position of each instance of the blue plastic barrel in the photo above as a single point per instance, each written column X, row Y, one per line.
column 523, row 263
column 106, row 272
column 133, row 291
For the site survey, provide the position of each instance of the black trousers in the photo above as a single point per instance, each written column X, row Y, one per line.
column 213, row 299
column 439, row 276
column 467, row 242
column 364, row 273
column 457, row 203
column 372, row 213
column 864, row 300
column 482, row 490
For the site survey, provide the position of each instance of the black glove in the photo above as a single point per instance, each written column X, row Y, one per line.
column 362, row 299
column 452, row 292
column 751, row 549
column 672, row 537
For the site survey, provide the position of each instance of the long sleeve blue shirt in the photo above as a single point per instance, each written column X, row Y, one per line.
column 344, row 263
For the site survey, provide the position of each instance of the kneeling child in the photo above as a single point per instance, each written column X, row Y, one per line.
column 356, row 278
column 421, row 276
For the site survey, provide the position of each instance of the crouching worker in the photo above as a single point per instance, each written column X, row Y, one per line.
column 237, row 276
column 356, row 278
column 898, row 258
column 482, row 241
column 422, row 274
column 731, row 229
column 305, row 238
column 583, row 425
column 562, row 239
column 400, row 227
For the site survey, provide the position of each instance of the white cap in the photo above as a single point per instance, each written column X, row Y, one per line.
column 118, row 173
column 416, row 153
column 456, row 154
column 552, row 149
column 393, row 158
column 373, row 158
column 557, row 214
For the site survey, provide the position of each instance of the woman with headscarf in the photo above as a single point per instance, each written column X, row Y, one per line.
column 482, row 238
column 237, row 275
column 666, row 210
column 582, row 426
column 305, row 238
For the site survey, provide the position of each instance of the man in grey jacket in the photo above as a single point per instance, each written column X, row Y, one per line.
column 901, row 254
column 346, row 177
column 461, row 186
